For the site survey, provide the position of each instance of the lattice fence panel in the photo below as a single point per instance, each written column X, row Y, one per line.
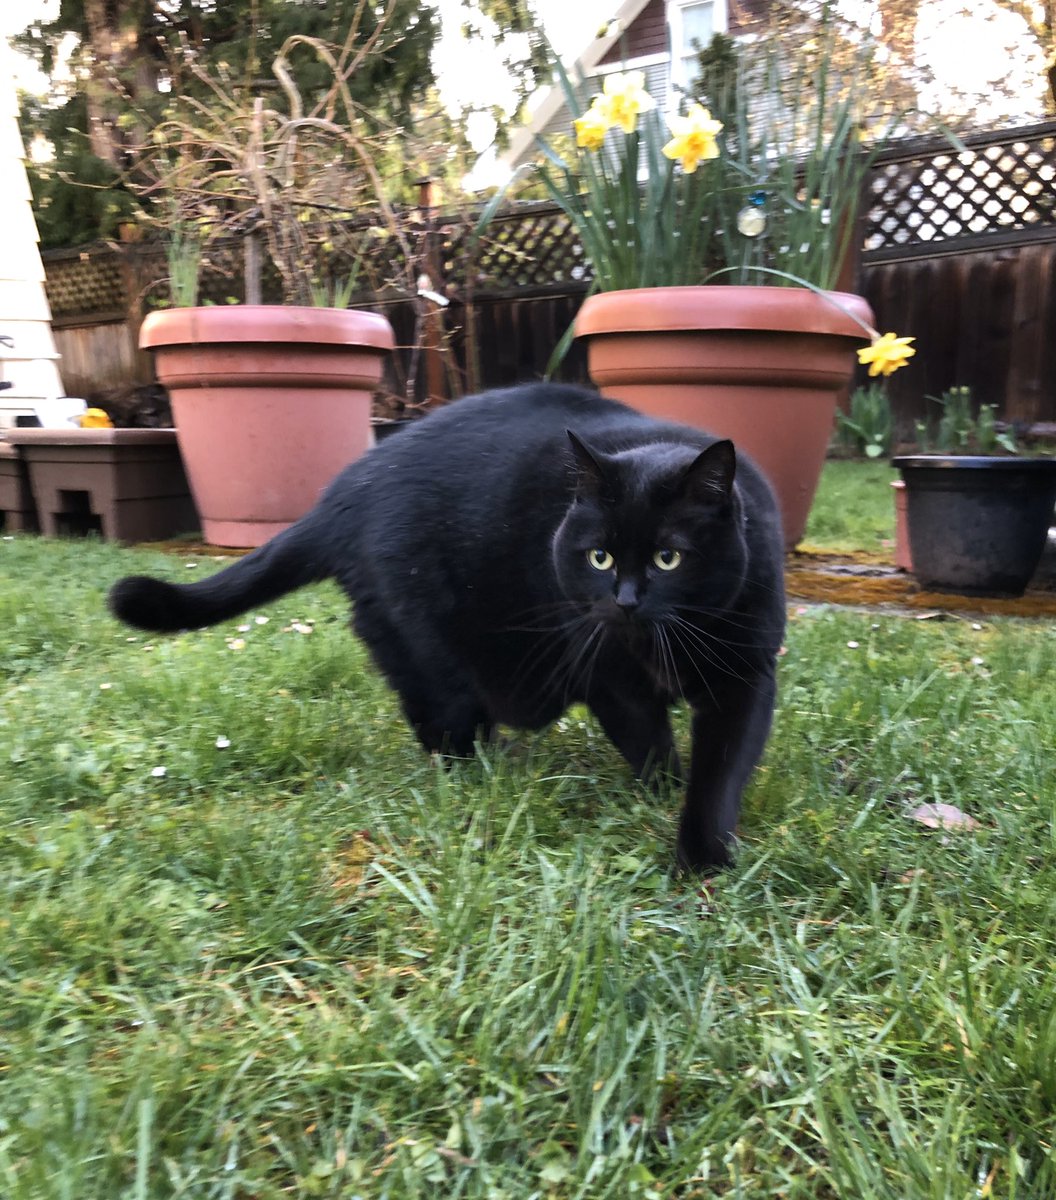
column 88, row 281
column 919, row 195
column 535, row 247
column 998, row 184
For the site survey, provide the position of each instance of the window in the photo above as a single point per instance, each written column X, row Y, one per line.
column 692, row 24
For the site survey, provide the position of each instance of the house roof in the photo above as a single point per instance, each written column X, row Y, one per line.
column 553, row 100
column 742, row 16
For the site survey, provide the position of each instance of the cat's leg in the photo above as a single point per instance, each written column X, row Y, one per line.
column 437, row 693
column 441, row 704
column 450, row 729
column 729, row 735
column 636, row 721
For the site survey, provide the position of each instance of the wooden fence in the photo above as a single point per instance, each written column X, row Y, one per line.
column 958, row 250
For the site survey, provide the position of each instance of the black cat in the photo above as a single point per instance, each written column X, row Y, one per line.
column 523, row 550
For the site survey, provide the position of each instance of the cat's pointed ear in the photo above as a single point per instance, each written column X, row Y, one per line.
column 710, row 475
column 590, row 477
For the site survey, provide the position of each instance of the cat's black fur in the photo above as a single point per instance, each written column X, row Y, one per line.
column 475, row 547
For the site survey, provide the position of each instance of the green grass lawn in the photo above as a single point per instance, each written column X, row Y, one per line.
column 853, row 508
column 254, row 945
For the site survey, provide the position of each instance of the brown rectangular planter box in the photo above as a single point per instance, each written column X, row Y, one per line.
column 17, row 511
column 127, row 485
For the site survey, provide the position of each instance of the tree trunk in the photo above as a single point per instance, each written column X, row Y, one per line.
column 99, row 91
column 121, row 70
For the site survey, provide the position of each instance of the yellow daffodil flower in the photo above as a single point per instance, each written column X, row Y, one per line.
column 624, row 98
column 694, row 139
column 94, row 418
column 592, row 127
column 886, row 354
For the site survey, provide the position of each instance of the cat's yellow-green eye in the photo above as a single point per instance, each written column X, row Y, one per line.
column 667, row 560
column 600, row 560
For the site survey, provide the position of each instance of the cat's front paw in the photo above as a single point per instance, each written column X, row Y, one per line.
column 703, row 855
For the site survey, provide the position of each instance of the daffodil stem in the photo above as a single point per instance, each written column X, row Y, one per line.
column 828, row 296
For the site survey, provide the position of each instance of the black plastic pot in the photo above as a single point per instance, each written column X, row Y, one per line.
column 977, row 525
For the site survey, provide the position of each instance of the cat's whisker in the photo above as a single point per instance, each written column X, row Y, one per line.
column 559, row 618
column 718, row 617
column 563, row 644
column 711, row 648
column 555, row 610
column 665, row 663
column 662, row 639
column 597, row 637
column 656, row 633
column 572, row 648
column 765, row 645
column 751, row 673
column 692, row 659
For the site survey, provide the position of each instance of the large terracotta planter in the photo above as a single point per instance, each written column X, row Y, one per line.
column 269, row 404
column 763, row 366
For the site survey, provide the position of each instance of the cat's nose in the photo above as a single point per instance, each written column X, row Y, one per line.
column 628, row 596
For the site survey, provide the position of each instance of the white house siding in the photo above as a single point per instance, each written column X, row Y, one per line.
column 31, row 363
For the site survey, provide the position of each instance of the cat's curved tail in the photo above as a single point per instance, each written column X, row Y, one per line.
column 292, row 559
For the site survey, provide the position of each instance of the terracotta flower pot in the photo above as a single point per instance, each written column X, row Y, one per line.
column 760, row 365
column 269, row 404
column 903, row 556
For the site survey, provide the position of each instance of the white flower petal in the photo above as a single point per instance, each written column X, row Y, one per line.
column 942, row 816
